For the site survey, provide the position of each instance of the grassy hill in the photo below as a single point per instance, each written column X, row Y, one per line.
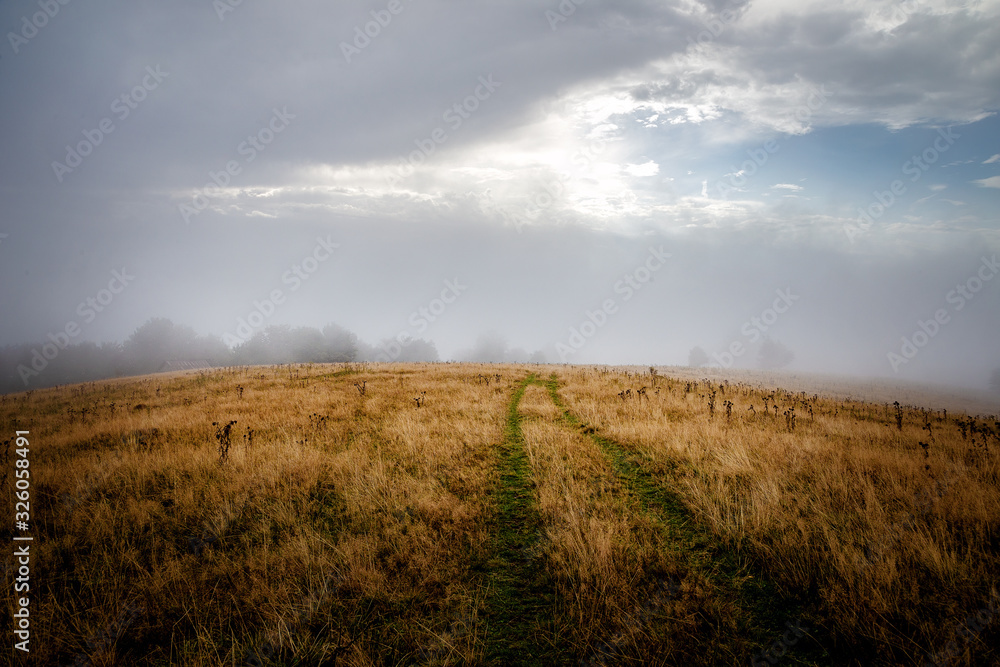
column 461, row 514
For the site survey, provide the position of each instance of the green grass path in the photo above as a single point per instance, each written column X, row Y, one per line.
column 521, row 602
column 765, row 610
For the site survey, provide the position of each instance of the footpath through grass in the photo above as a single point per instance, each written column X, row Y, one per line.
column 764, row 610
column 522, row 598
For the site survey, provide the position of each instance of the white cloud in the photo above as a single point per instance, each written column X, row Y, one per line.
column 646, row 169
column 993, row 159
column 564, row 150
column 764, row 67
column 991, row 182
column 937, row 187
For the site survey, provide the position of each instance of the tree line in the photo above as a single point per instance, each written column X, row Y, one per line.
column 54, row 362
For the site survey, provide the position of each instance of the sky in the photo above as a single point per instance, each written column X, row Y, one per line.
column 605, row 182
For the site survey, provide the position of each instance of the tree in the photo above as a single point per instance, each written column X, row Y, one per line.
column 489, row 348
column 307, row 345
column 341, row 344
column 159, row 339
column 774, row 355
column 280, row 344
column 270, row 345
column 418, row 350
column 697, row 357
column 517, row 355
column 539, row 357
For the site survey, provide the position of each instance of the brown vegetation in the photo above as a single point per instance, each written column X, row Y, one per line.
column 322, row 514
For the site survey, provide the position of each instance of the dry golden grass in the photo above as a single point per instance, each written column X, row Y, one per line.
column 360, row 528
column 625, row 598
column 371, row 496
column 846, row 388
column 896, row 547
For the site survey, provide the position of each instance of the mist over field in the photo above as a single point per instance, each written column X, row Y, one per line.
column 500, row 333
column 807, row 186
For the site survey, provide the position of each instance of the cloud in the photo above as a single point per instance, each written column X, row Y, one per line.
column 937, row 187
column 876, row 66
column 991, row 182
column 565, row 142
column 993, row 159
column 646, row 169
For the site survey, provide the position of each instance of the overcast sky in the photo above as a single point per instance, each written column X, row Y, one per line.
column 839, row 162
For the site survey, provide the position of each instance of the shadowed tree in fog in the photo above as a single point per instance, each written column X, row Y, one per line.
column 160, row 340
column 281, row 344
column 697, row 357
column 415, row 350
column 340, row 344
column 489, row 347
column 22, row 366
column 156, row 341
column 492, row 347
column 538, row 357
column 774, row 355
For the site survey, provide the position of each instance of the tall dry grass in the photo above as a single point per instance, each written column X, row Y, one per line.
column 893, row 543
column 624, row 596
column 347, row 526
column 358, row 528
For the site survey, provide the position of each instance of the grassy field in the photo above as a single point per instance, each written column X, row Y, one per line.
column 461, row 514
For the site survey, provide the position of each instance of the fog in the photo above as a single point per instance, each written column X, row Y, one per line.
column 600, row 182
